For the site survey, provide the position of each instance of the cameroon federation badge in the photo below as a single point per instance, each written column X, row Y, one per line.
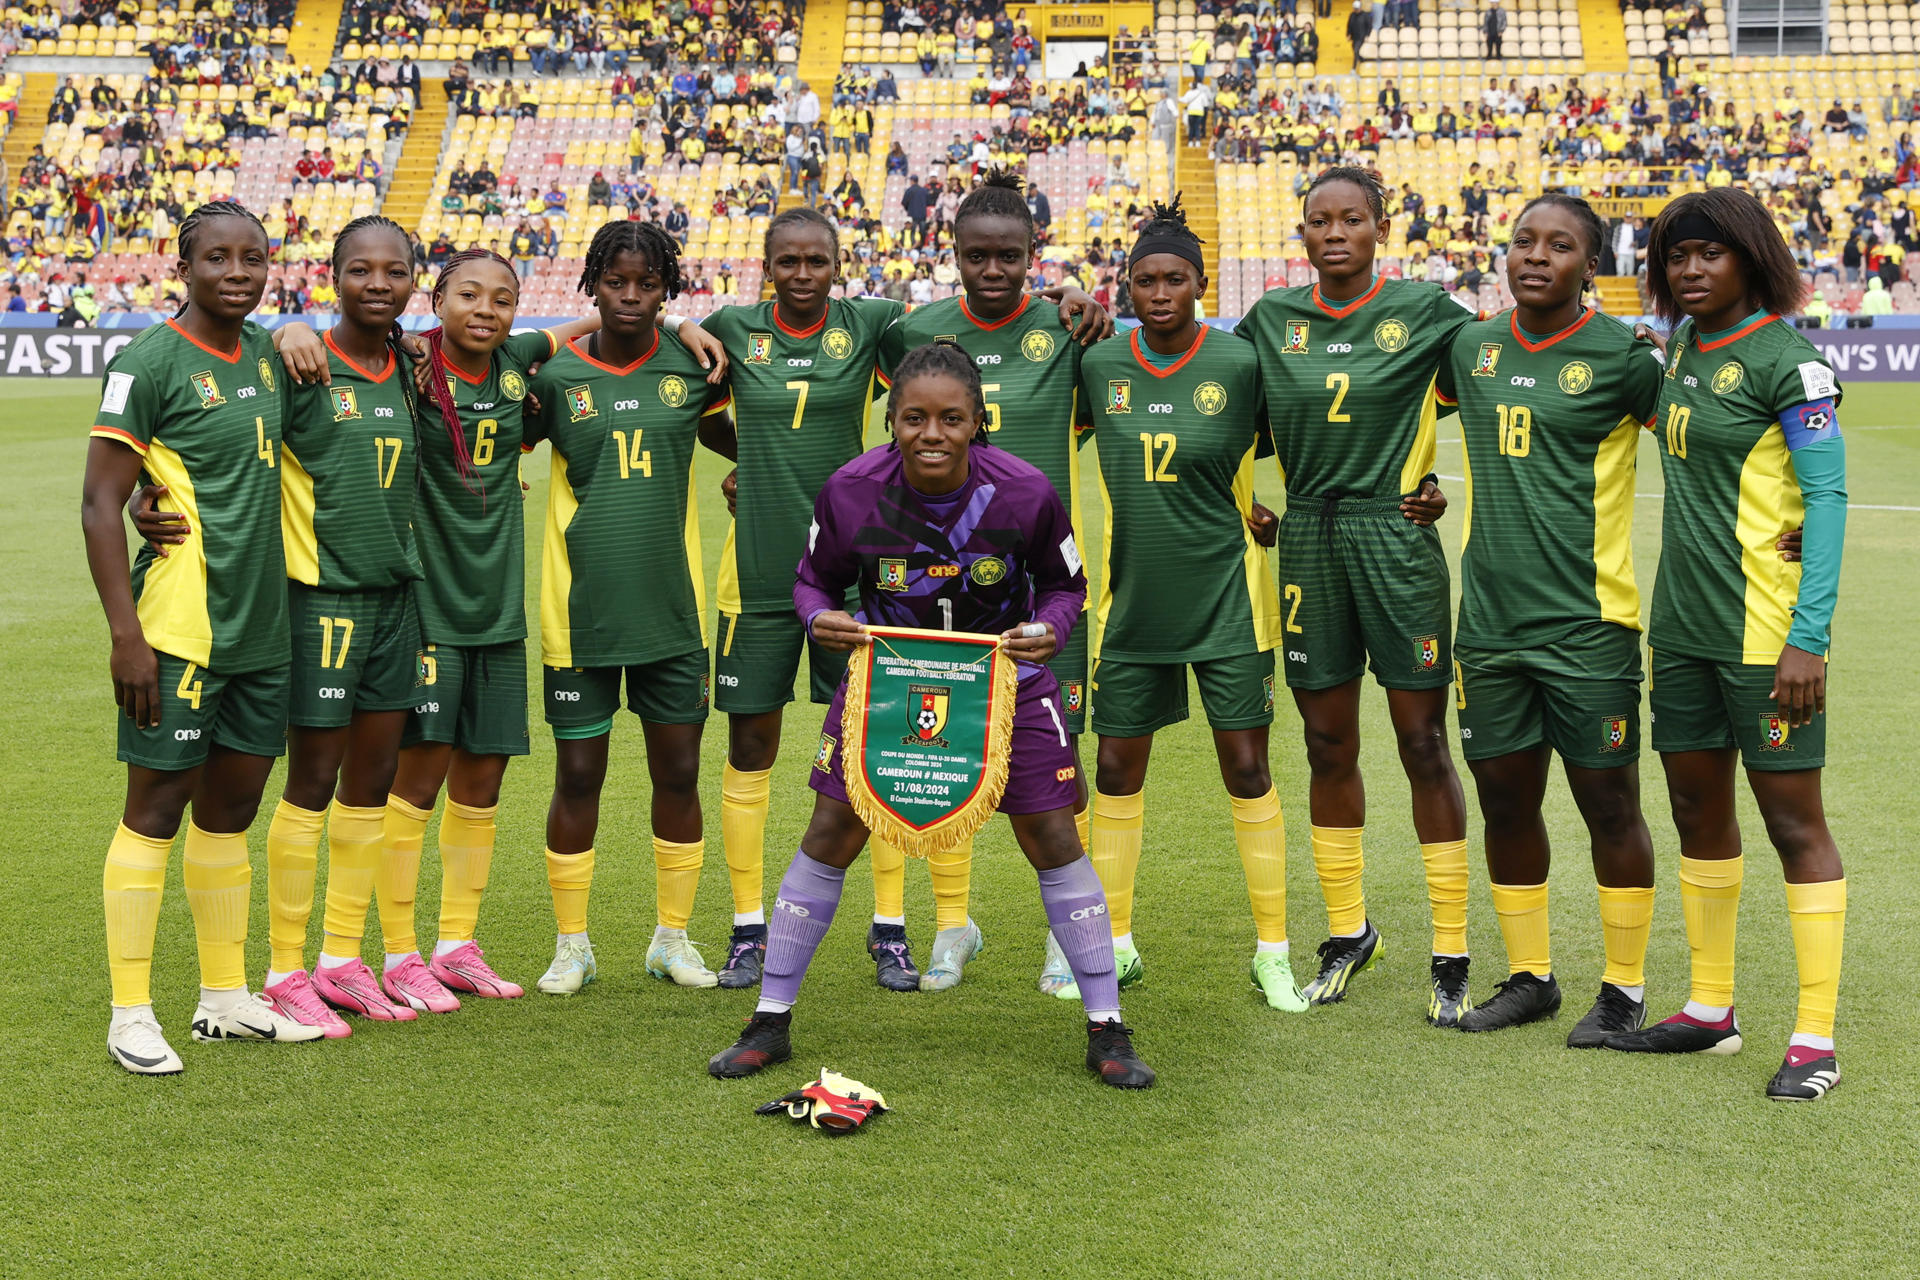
column 927, row 704
column 1488, row 361
column 1390, row 335
column 891, row 575
column 1727, row 377
column 1074, row 695
column 266, row 374
column 837, row 342
column 1037, row 346
column 1210, row 398
column 580, row 403
column 1575, row 376
column 759, row 348
column 1120, row 396
column 1774, row 732
column 1613, row 733
column 673, row 391
column 512, row 385
column 823, row 758
column 209, row 390
column 1296, row 338
column 345, row 404
column 1426, row 652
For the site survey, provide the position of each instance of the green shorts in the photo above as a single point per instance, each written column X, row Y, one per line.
column 1579, row 695
column 352, row 651
column 199, row 710
column 1702, row 705
column 1138, row 698
column 1362, row 586
column 758, row 659
column 473, row 697
column 669, row 691
column 1069, row 667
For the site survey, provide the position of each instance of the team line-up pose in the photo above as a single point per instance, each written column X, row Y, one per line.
column 408, row 559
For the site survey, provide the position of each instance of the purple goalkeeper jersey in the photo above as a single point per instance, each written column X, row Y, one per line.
column 995, row 553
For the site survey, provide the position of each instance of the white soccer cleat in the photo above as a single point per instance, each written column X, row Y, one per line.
column 244, row 1015
column 572, row 968
column 135, row 1041
column 952, row 948
column 673, row 958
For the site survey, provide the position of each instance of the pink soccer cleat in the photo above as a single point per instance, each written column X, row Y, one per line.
column 412, row 984
column 465, row 969
column 351, row 987
column 294, row 998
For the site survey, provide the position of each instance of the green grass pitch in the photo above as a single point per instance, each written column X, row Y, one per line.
column 583, row 1136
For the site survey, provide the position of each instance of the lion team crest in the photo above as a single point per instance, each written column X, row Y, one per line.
column 1120, row 396
column 208, row 389
column 580, row 404
column 345, row 404
column 837, row 343
column 512, row 385
column 1210, row 398
column 1727, row 377
column 1575, row 376
column 1487, row 363
column 1297, row 331
column 266, row 374
column 759, row 348
column 927, row 714
column 1390, row 335
column 988, row 570
column 1037, row 346
column 673, row 391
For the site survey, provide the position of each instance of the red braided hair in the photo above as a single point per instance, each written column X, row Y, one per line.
column 437, row 360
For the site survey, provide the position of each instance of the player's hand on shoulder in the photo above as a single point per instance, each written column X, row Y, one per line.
column 707, row 349
column 1658, row 339
column 1088, row 319
column 1789, row 545
column 1426, row 506
column 1264, row 525
column 1800, row 685
column 136, row 680
column 1026, row 646
column 303, row 353
column 161, row 528
column 837, row 632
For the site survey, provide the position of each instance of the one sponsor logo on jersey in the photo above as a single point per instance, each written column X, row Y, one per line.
column 345, row 405
column 759, row 348
column 1613, row 733
column 837, row 343
column 823, row 758
column 266, row 373
column 673, row 391
column 1120, row 396
column 1037, row 346
column 1487, row 363
column 1210, row 398
column 208, row 389
column 1065, row 774
column 927, row 714
column 1575, row 376
column 891, row 575
column 943, row 571
column 1390, row 335
column 1727, row 377
column 1074, row 695
column 513, row 386
column 1296, row 338
column 988, row 570
column 1774, row 732
column 1426, row 652
column 580, row 403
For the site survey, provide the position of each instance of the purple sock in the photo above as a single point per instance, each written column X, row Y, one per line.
column 1077, row 910
column 804, row 907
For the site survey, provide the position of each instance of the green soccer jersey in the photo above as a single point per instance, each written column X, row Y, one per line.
column 1551, row 426
column 1184, row 580
column 1350, row 387
column 470, row 530
column 1723, row 592
column 800, row 401
column 206, row 424
column 347, row 479
column 620, row 578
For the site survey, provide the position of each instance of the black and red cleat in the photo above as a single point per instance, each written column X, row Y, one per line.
column 762, row 1044
column 1110, row 1055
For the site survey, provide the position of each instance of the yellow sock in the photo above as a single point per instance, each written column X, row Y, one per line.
column 1118, row 826
column 1818, row 914
column 135, row 877
column 1261, row 834
column 355, row 845
column 1338, row 861
column 398, row 876
column 1626, row 918
column 293, row 850
column 952, row 875
column 1446, row 864
column 1523, row 923
column 676, row 874
column 466, row 858
column 1710, row 900
column 570, row 876
column 218, row 878
column 889, row 879
column 743, row 832
column 1083, row 827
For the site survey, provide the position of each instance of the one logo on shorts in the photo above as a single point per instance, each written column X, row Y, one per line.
column 1613, row 732
column 759, row 348
column 1390, row 335
column 266, row 373
column 1487, row 363
column 1037, row 346
column 1773, row 732
column 1073, row 695
column 1727, row 377
column 1065, row 774
column 513, row 386
column 580, row 403
column 1575, row 376
column 1120, row 396
column 1296, row 338
column 345, row 405
column 208, row 389
column 1426, row 652
column 927, row 714
column 988, row 570
column 673, row 391
column 892, row 575
column 837, row 343
column 823, row 758
column 1268, row 689
column 1209, row 398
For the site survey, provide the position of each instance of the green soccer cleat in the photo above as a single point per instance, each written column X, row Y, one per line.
column 1273, row 975
column 1126, row 967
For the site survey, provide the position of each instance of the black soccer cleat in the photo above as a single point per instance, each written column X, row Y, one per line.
column 763, row 1043
column 1521, row 999
column 1110, row 1055
column 1340, row 959
column 1614, row 1012
column 1805, row 1076
column 893, row 966
column 1681, row 1034
column 746, row 956
column 1448, row 1000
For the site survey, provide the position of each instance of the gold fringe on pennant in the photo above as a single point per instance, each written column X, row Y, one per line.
column 962, row 823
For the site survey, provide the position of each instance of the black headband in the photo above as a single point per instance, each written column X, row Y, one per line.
column 1695, row 225
column 1179, row 246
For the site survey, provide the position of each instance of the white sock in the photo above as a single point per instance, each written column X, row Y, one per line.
column 1707, row 1012
column 1635, row 993
column 1449, row 955
column 576, row 937
column 275, row 978
column 880, row 919
column 397, row 958
column 330, row 963
column 1360, row 932
column 757, row 916
column 772, row 1006
column 1270, row 948
column 218, row 999
column 1103, row 1015
column 1123, row 941
column 1802, row 1040
column 448, row 945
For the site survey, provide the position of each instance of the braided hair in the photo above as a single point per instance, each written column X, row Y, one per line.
column 801, row 215
column 437, row 361
column 375, row 222
column 1168, row 219
column 999, row 195
column 943, row 357
column 650, row 240
column 191, row 224
column 1376, row 195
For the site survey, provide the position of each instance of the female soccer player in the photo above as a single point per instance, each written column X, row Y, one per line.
column 985, row 507
column 199, row 660
column 1750, row 436
column 1348, row 365
column 1552, row 398
column 621, row 587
